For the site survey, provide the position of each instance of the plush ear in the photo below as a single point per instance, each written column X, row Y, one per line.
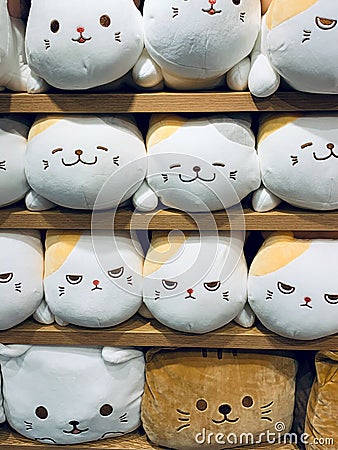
column 12, row 351
column 5, row 29
column 113, row 355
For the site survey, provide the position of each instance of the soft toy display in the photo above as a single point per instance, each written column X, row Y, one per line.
column 196, row 283
column 13, row 144
column 83, row 44
column 321, row 426
column 92, row 280
column 69, row 395
column 193, row 45
column 84, row 161
column 21, row 276
column 14, row 72
column 199, row 164
column 287, row 302
column 298, row 159
column 296, row 43
column 211, row 397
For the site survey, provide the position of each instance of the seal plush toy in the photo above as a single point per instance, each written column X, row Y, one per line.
column 70, row 395
column 82, row 44
column 192, row 44
column 297, row 42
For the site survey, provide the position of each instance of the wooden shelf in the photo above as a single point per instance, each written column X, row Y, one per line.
column 141, row 332
column 168, row 102
column 9, row 439
column 284, row 218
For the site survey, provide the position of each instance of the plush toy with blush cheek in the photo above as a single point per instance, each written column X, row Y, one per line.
column 83, row 44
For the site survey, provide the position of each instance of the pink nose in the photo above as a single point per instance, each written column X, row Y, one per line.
column 96, row 282
column 190, row 291
column 307, row 300
column 80, row 30
column 212, row 2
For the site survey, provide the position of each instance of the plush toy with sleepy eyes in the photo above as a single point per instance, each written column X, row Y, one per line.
column 82, row 162
column 297, row 43
column 194, row 44
column 83, row 43
column 71, row 395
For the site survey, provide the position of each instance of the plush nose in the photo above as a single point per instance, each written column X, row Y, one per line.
column 196, row 169
column 96, row 282
column 225, row 409
column 74, row 423
column 330, row 146
column 80, row 30
column 307, row 300
column 190, row 291
column 212, row 2
column 78, row 152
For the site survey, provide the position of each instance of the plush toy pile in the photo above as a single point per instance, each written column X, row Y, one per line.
column 199, row 164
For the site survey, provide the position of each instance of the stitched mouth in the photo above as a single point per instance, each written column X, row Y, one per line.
column 81, row 39
column 76, row 430
column 190, row 296
column 197, row 177
column 325, row 24
column 218, row 422
column 307, row 305
column 317, row 158
column 79, row 161
column 97, row 288
column 211, row 11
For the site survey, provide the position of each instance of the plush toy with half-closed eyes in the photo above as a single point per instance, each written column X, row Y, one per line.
column 84, row 161
column 92, row 280
column 71, row 395
column 297, row 43
column 83, row 43
column 199, row 164
column 196, row 44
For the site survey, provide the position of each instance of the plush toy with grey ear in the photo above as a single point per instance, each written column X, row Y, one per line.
column 14, row 72
column 70, row 395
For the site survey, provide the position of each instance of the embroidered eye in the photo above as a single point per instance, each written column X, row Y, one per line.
column 116, row 273
column 56, row 150
column 332, row 299
column 54, row 26
column 170, row 285
column 212, row 286
column 174, row 166
column 201, row 404
column 6, row 277
column 74, row 279
column 285, row 288
column 236, row 2
column 41, row 412
column 105, row 21
column 106, row 410
column 247, row 401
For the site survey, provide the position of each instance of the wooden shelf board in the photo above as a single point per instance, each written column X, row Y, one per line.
column 144, row 333
column 214, row 101
column 10, row 439
column 281, row 219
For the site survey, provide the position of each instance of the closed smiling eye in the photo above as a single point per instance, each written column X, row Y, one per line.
column 331, row 298
column 174, row 166
column 212, row 285
column 218, row 164
column 170, row 285
column 285, row 288
column 6, row 277
column 116, row 273
column 74, row 279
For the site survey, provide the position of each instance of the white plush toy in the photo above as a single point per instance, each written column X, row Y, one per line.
column 197, row 283
column 83, row 161
column 14, row 71
column 292, row 286
column 193, row 44
column 92, row 280
column 298, row 156
column 21, row 276
column 13, row 144
column 297, row 42
column 199, row 164
column 70, row 395
column 81, row 44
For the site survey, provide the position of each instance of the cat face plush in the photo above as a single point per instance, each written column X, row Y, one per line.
column 292, row 286
column 215, row 171
column 299, row 159
column 195, row 283
column 21, row 274
column 82, row 44
column 13, row 143
column 92, row 281
column 69, row 160
column 300, row 42
column 83, row 394
column 199, row 40
column 208, row 393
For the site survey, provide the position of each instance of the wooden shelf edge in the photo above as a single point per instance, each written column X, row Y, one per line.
column 167, row 102
column 10, row 439
column 139, row 332
column 283, row 219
